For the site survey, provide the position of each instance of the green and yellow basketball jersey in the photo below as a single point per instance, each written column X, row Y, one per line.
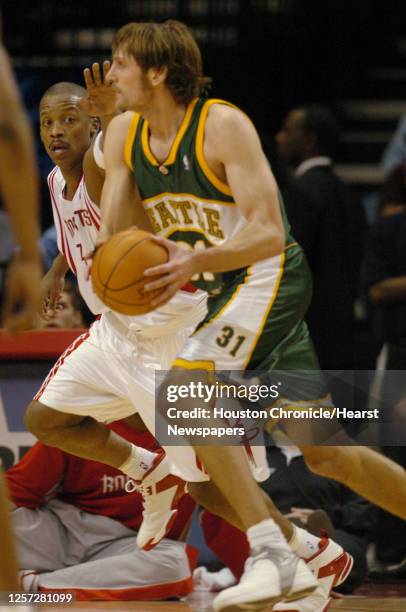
column 185, row 201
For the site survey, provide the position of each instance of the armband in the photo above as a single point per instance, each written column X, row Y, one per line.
column 97, row 152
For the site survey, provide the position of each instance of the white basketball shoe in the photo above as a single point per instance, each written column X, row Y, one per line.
column 271, row 573
column 331, row 565
column 161, row 492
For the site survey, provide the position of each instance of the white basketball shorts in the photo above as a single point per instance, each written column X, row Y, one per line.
column 108, row 373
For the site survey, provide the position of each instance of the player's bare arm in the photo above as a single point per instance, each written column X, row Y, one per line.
column 121, row 205
column 233, row 150
column 21, row 200
column 17, row 158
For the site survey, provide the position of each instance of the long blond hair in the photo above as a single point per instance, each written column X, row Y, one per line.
column 170, row 44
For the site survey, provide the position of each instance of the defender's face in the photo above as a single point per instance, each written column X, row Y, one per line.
column 66, row 130
column 129, row 81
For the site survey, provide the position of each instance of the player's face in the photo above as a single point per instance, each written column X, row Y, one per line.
column 291, row 138
column 130, row 82
column 65, row 130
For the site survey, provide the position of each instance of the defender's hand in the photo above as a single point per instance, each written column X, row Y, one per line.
column 101, row 98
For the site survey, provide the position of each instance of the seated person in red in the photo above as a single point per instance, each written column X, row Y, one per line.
column 76, row 529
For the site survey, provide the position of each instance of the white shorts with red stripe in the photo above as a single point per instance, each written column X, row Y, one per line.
column 108, row 373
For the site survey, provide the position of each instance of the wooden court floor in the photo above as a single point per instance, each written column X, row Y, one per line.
column 201, row 602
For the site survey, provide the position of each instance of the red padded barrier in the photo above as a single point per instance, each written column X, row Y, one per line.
column 38, row 344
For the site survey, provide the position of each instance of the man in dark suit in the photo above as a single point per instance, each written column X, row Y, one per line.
column 329, row 224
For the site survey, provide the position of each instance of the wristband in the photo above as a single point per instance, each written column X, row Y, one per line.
column 97, row 152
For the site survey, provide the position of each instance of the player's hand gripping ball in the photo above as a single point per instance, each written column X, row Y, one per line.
column 118, row 271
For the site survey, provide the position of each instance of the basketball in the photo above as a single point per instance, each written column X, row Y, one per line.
column 118, row 271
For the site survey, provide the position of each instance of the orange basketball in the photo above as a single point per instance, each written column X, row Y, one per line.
column 118, row 271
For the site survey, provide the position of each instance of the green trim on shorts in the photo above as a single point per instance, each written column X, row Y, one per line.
column 284, row 325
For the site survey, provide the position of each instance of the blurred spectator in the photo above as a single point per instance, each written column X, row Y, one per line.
column 72, row 312
column 395, row 153
column 393, row 196
column 7, row 241
column 49, row 247
column 385, row 272
column 329, row 224
column 7, row 246
column 76, row 529
column 312, row 501
column 394, row 188
column 49, row 250
column 385, row 278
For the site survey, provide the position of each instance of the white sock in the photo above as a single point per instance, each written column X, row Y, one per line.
column 266, row 532
column 138, row 462
column 304, row 543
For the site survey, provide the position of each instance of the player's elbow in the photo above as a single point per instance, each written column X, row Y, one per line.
column 273, row 240
column 278, row 241
column 33, row 422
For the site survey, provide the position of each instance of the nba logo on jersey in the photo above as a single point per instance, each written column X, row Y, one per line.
column 186, row 163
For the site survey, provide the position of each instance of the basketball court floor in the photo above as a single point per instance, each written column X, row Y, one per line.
column 201, row 602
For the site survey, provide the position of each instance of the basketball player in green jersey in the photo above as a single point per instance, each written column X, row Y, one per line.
column 204, row 180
